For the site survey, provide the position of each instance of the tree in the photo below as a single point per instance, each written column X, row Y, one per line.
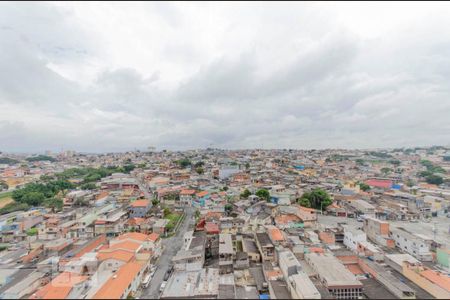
column 228, row 208
column 3, row 185
column 166, row 212
column 247, row 165
column 318, row 199
column 364, row 187
column 395, row 162
column 199, row 164
column 386, row 170
column 155, row 202
column 199, row 170
column 33, row 198
column 55, row 204
column 184, row 163
column 245, row 194
column 128, row 168
column 32, row 231
column 263, row 194
column 360, row 162
column 434, row 179
column 225, row 188
column 88, row 186
column 304, row 202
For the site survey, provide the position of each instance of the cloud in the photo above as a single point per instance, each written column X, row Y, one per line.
column 104, row 77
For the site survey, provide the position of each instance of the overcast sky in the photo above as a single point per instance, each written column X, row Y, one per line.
column 120, row 76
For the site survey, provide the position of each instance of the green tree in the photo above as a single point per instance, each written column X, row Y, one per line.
column 3, row 185
column 32, row 231
column 245, row 194
column 395, row 162
column 166, row 212
column 184, row 163
column 199, row 170
column 33, row 198
column 304, row 202
column 386, row 170
column 128, row 168
column 263, row 194
column 199, row 164
column 247, row 165
column 155, row 202
column 318, row 198
column 55, row 204
column 434, row 179
column 88, row 186
column 228, row 208
column 360, row 162
column 364, row 187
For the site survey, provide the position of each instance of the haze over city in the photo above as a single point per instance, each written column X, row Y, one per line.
column 105, row 76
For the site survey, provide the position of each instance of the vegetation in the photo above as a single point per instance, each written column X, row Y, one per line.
column 263, row 194
column 155, row 202
column 317, row 198
column 12, row 207
column 360, row 162
column 32, row 231
column 40, row 158
column 245, row 194
column 8, row 161
column 199, row 170
column 364, row 187
column 184, row 163
column 3, row 185
column 395, row 162
column 199, row 164
column 228, row 208
column 446, row 158
column 247, row 165
column 432, row 168
column 379, row 154
column 434, row 179
column 88, row 186
column 386, row 170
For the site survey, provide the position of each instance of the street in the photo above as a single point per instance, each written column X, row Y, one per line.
column 171, row 246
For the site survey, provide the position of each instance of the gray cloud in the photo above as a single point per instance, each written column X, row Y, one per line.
column 254, row 76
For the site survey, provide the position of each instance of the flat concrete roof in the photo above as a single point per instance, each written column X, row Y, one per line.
column 332, row 270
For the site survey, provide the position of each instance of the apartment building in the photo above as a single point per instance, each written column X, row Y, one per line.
column 411, row 243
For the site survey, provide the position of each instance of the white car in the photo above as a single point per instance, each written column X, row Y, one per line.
column 163, row 286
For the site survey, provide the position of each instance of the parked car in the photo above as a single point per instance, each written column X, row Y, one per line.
column 163, row 286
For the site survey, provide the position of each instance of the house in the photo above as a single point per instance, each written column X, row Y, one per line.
column 249, row 246
column 139, row 208
column 378, row 232
column 352, row 237
column 435, row 283
column 187, row 196
column 265, row 246
column 339, row 281
column 411, row 243
column 123, row 284
column 226, row 253
column 64, row 286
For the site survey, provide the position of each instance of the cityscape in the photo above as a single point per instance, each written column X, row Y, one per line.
column 227, row 224
column 224, row 150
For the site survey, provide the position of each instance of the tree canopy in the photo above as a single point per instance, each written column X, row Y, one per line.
column 317, row 198
column 245, row 194
column 263, row 194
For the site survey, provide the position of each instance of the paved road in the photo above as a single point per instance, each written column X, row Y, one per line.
column 171, row 247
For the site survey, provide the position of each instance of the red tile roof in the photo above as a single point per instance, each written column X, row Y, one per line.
column 385, row 184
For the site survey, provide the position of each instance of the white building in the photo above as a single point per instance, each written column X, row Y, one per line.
column 411, row 243
column 298, row 283
column 352, row 237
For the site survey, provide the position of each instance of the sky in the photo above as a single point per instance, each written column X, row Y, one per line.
column 111, row 76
